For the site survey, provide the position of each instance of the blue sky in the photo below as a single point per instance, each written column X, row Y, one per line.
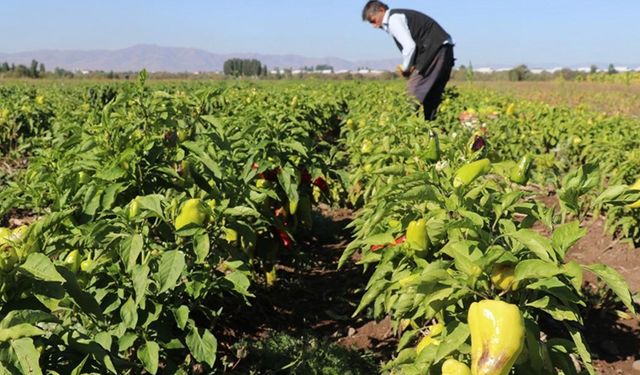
column 487, row 32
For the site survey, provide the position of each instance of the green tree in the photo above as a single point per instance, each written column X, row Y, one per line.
column 612, row 69
column 519, row 73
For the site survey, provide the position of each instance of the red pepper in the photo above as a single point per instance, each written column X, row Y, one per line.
column 398, row 241
column 321, row 183
column 478, row 143
column 284, row 238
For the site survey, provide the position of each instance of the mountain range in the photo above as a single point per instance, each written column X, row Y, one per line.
column 174, row 59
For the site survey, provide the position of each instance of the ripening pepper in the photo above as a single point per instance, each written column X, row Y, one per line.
column 454, row 367
column 417, row 237
column 367, row 147
column 432, row 153
column 520, row 173
column 469, row 172
column 502, row 277
column 497, row 336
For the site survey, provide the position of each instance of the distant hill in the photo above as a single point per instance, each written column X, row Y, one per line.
column 173, row 59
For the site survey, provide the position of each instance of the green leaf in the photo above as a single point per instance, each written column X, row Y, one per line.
column 203, row 348
column 19, row 331
column 110, row 194
column 614, row 281
column 453, row 341
column 104, row 339
column 201, row 246
column 27, row 355
column 204, row 158
column 295, row 146
column 149, row 355
column 574, row 272
column 241, row 282
column 126, row 341
column 565, row 236
column 140, row 280
column 40, row 267
column 152, row 203
column 611, row 194
column 242, row 211
column 557, row 311
column 535, row 269
column 171, row 266
column 535, row 242
column 92, row 200
column 129, row 314
column 16, row 317
column 379, row 239
column 578, row 339
column 130, row 253
column 112, row 174
column 78, row 369
column 181, row 314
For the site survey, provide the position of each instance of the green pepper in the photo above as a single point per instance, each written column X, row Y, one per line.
column 432, row 153
column 134, row 208
column 83, row 177
column 87, row 265
column 231, row 235
column 73, row 260
column 8, row 258
column 367, row 147
column 497, row 336
column 417, row 237
column 469, row 172
column 520, row 173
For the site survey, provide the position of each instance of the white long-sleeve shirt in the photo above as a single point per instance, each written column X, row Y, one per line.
column 397, row 26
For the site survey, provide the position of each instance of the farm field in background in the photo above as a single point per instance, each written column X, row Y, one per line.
column 612, row 98
column 317, row 227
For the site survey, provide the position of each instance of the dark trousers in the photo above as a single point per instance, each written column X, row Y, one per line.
column 429, row 85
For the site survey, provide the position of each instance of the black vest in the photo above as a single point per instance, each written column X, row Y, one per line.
column 428, row 35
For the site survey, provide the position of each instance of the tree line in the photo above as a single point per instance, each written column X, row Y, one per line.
column 245, row 68
column 35, row 70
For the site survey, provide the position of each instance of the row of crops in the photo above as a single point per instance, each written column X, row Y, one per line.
column 135, row 217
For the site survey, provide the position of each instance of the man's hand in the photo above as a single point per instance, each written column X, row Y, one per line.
column 399, row 70
column 404, row 73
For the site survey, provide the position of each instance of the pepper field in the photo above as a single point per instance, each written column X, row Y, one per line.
column 306, row 227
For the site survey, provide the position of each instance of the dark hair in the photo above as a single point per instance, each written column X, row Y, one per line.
column 371, row 8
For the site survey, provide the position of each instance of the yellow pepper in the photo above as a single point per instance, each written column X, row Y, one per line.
column 417, row 237
column 434, row 330
column 453, row 367
column 192, row 212
column 497, row 336
column 635, row 186
column 502, row 277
